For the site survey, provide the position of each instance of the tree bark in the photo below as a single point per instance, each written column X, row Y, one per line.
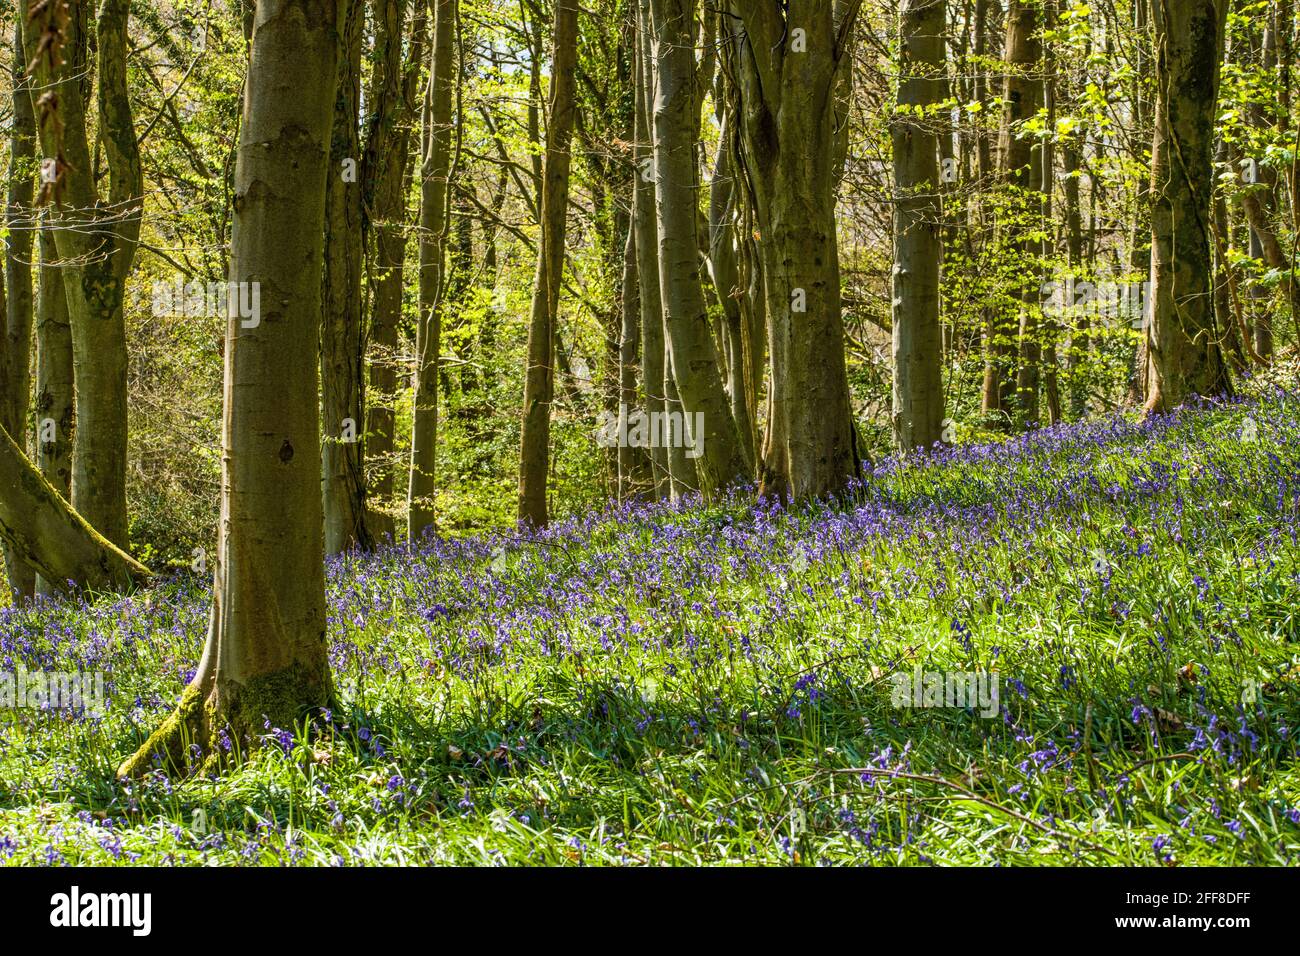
column 647, row 244
column 691, row 353
column 1016, row 393
column 632, row 462
column 392, row 99
column 16, row 340
column 539, row 376
column 789, row 83
column 342, row 358
column 55, row 393
column 435, row 171
column 39, row 527
column 918, row 217
column 724, row 261
column 96, row 241
column 1183, row 338
column 265, row 659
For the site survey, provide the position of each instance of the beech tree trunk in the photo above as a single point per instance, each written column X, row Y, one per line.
column 788, row 67
column 918, row 219
column 632, row 462
column 393, row 103
column 691, row 353
column 647, row 258
column 724, row 260
column 435, row 170
column 265, row 658
column 96, row 239
column 55, row 398
column 1004, row 392
column 342, row 358
column 1183, row 338
column 539, row 376
column 16, row 340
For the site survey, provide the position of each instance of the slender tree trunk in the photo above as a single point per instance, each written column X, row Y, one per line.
column 918, row 217
column 1049, row 329
column 539, row 377
column 991, row 391
column 265, row 659
column 647, row 244
column 342, row 360
column 1080, row 356
column 724, row 260
column 632, row 462
column 1140, row 245
column 435, row 172
column 1183, row 341
column 691, row 352
column 1016, row 349
column 96, row 241
column 392, row 99
column 16, row 342
column 55, row 398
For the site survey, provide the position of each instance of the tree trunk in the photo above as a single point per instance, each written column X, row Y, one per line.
column 1045, row 166
column 342, row 358
column 1080, row 354
column 724, row 260
column 1016, row 350
column 99, row 237
column 392, row 100
column 918, row 218
column 1183, row 340
column 16, row 341
column 435, row 171
column 539, row 377
column 790, row 89
column 632, row 462
column 647, row 258
column 265, row 659
column 55, row 398
column 39, row 528
column 692, row 356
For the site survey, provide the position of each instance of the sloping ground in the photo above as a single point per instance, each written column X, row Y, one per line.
column 726, row 684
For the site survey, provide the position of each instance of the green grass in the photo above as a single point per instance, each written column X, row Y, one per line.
column 711, row 685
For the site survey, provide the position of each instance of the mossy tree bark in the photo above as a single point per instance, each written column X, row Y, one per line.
column 435, row 171
column 265, row 658
column 96, row 236
column 16, row 311
column 539, row 376
column 918, row 218
column 342, row 360
column 39, row 527
column 691, row 353
column 791, row 68
column 1185, row 357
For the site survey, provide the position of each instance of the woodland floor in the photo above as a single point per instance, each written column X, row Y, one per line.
column 699, row 684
